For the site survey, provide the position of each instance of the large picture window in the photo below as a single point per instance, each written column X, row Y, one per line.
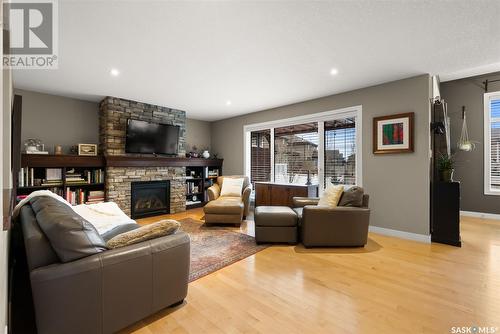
column 492, row 143
column 318, row 149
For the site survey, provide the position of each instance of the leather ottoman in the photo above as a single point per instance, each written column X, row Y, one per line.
column 275, row 224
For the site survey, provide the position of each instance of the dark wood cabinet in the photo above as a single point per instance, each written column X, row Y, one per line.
column 445, row 227
column 278, row 194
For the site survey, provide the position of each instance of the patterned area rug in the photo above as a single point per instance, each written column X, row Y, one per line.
column 214, row 247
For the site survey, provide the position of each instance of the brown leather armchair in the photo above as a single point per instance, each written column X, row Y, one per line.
column 325, row 227
column 224, row 209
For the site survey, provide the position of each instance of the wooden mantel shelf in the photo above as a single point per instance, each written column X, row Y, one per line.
column 151, row 161
column 35, row 160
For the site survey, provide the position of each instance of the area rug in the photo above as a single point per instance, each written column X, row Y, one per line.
column 215, row 247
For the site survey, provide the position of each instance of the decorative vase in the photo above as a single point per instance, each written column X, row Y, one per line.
column 447, row 175
column 205, row 154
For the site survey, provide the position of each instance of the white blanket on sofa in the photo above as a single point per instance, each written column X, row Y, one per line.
column 104, row 216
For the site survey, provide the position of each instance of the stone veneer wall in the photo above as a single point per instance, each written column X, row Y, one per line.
column 113, row 115
column 119, row 179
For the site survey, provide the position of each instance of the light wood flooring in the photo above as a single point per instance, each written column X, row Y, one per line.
column 390, row 286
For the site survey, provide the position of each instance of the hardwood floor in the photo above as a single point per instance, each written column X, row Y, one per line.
column 390, row 286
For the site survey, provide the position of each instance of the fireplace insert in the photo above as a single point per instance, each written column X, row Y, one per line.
column 150, row 198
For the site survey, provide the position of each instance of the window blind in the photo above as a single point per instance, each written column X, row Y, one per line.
column 494, row 145
column 296, row 153
column 260, row 160
column 340, row 151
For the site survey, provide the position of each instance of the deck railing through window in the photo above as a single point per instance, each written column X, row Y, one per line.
column 296, row 154
column 340, row 151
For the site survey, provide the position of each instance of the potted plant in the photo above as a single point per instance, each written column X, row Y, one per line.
column 446, row 166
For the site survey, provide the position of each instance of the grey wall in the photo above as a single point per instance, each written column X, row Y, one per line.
column 67, row 121
column 469, row 168
column 197, row 133
column 58, row 120
column 398, row 184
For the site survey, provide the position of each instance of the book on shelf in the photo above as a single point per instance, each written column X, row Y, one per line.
column 192, row 202
column 37, row 152
column 26, row 177
column 192, row 187
column 81, row 196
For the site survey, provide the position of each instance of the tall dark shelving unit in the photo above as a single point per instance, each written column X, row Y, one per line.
column 444, row 196
column 198, row 180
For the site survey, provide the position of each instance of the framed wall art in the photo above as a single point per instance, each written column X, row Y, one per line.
column 393, row 133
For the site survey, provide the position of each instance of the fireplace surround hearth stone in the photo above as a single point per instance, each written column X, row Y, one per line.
column 113, row 116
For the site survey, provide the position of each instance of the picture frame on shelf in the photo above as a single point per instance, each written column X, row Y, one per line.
column 393, row 133
column 87, row 149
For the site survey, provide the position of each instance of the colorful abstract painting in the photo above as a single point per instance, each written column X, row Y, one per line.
column 392, row 134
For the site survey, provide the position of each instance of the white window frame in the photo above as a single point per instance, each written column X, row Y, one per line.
column 320, row 118
column 487, row 141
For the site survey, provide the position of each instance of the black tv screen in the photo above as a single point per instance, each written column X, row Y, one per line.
column 151, row 138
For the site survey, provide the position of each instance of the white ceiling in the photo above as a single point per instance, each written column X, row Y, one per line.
column 197, row 55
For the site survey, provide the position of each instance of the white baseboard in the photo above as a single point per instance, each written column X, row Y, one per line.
column 400, row 234
column 482, row 215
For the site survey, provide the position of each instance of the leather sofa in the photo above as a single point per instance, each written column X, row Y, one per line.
column 106, row 291
column 325, row 227
column 225, row 209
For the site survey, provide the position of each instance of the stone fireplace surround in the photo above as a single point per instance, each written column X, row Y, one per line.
column 113, row 115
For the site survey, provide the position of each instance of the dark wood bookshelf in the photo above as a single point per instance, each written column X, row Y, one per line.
column 40, row 163
column 202, row 179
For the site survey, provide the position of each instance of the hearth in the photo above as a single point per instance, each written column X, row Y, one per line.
column 150, row 198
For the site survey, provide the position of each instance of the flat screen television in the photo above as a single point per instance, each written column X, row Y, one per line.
column 151, row 138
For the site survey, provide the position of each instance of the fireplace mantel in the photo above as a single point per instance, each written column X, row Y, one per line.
column 152, row 161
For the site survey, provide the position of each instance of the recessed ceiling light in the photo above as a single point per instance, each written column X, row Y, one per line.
column 114, row 72
column 334, row 71
column 228, row 103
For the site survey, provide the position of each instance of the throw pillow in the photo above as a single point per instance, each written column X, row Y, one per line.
column 232, row 187
column 352, row 197
column 331, row 196
column 143, row 233
column 70, row 235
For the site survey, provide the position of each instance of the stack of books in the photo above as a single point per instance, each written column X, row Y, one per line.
column 74, row 178
column 53, row 177
column 94, row 176
column 26, row 177
column 95, row 196
column 75, row 197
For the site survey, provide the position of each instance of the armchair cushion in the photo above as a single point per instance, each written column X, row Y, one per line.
column 352, row 197
column 232, row 187
column 70, row 235
column 147, row 232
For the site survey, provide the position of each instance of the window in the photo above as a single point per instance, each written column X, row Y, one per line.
column 340, row 151
column 318, row 149
column 492, row 143
column 260, row 156
column 296, row 154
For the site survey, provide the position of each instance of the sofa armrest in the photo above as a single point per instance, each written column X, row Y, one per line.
column 245, row 197
column 213, row 192
column 300, row 202
column 113, row 288
column 340, row 226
